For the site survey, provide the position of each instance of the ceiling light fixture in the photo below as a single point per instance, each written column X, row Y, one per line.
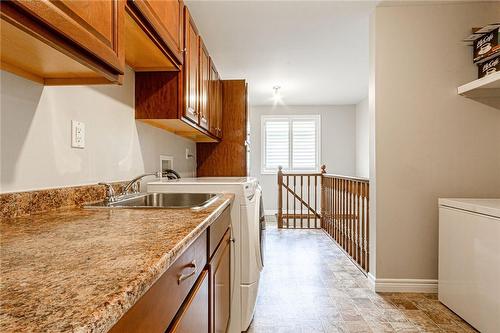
column 276, row 90
column 277, row 99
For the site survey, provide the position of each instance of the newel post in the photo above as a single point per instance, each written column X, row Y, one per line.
column 322, row 191
column 280, row 197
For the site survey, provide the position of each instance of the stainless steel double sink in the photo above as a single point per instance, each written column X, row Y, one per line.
column 160, row 200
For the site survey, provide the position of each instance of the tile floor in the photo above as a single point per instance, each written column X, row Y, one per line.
column 309, row 285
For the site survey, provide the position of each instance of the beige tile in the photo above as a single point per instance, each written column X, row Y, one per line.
column 325, row 292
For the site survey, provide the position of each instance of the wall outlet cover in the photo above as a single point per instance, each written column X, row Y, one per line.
column 77, row 134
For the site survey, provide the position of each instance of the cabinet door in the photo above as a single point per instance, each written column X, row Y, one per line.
column 214, row 102
column 220, row 285
column 218, row 108
column 95, row 26
column 204, row 80
column 194, row 315
column 166, row 18
column 191, row 70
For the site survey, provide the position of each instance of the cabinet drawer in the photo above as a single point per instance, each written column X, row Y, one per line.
column 194, row 316
column 156, row 309
column 217, row 230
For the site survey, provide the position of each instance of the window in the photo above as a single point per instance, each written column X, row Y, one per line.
column 291, row 142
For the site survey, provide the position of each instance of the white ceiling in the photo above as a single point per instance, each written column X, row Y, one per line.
column 316, row 51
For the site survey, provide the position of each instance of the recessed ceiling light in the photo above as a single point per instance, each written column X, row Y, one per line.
column 276, row 90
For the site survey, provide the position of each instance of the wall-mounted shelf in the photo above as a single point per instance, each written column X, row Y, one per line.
column 485, row 90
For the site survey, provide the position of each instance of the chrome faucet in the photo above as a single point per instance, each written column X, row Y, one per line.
column 133, row 184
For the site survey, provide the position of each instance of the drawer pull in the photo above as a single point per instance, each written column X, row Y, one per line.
column 183, row 277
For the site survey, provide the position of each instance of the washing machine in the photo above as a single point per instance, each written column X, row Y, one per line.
column 246, row 253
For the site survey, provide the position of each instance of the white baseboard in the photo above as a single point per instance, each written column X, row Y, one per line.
column 403, row 285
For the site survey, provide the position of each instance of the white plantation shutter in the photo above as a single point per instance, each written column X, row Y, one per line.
column 291, row 142
column 277, row 144
column 304, row 145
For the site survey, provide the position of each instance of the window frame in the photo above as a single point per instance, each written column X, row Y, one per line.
column 291, row 117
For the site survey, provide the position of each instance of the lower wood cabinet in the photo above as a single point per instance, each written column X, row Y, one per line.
column 154, row 311
column 193, row 316
column 193, row 295
column 220, row 267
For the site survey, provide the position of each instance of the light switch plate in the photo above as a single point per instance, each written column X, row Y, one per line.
column 77, row 134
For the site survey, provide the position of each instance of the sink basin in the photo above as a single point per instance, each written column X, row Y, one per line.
column 160, row 200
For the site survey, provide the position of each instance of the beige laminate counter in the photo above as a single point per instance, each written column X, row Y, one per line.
column 80, row 270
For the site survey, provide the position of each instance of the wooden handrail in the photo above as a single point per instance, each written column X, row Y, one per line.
column 359, row 179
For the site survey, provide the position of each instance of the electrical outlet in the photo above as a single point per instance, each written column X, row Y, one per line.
column 77, row 134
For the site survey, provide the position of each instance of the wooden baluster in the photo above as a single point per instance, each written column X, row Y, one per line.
column 356, row 221
column 315, row 200
column 367, row 228
column 330, row 204
column 341, row 218
column 309, row 199
column 302, row 197
column 334, row 210
column 337, row 208
column 346, row 209
column 349, row 220
column 351, row 214
column 287, row 198
column 280, row 198
column 294, row 201
column 330, row 194
column 363, row 226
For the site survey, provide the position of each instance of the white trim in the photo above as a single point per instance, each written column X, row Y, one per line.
column 403, row 285
column 289, row 118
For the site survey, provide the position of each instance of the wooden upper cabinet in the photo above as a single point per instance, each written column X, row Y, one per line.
column 165, row 17
column 87, row 33
column 191, row 70
column 204, row 66
column 215, row 101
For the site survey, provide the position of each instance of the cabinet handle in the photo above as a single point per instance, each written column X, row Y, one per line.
column 183, row 50
column 183, row 277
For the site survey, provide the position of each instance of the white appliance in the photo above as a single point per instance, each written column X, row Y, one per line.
column 245, row 225
column 469, row 260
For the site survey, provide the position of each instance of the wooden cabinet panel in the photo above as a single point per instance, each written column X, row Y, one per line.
column 229, row 157
column 204, row 77
column 215, row 102
column 217, row 230
column 95, row 26
column 191, row 70
column 165, row 16
column 194, row 315
column 156, row 309
column 220, row 285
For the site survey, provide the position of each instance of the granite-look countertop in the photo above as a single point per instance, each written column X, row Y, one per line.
column 80, row 270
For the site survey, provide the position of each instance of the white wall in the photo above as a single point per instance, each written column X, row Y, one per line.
column 35, row 125
column 362, row 139
column 338, row 142
column 429, row 142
